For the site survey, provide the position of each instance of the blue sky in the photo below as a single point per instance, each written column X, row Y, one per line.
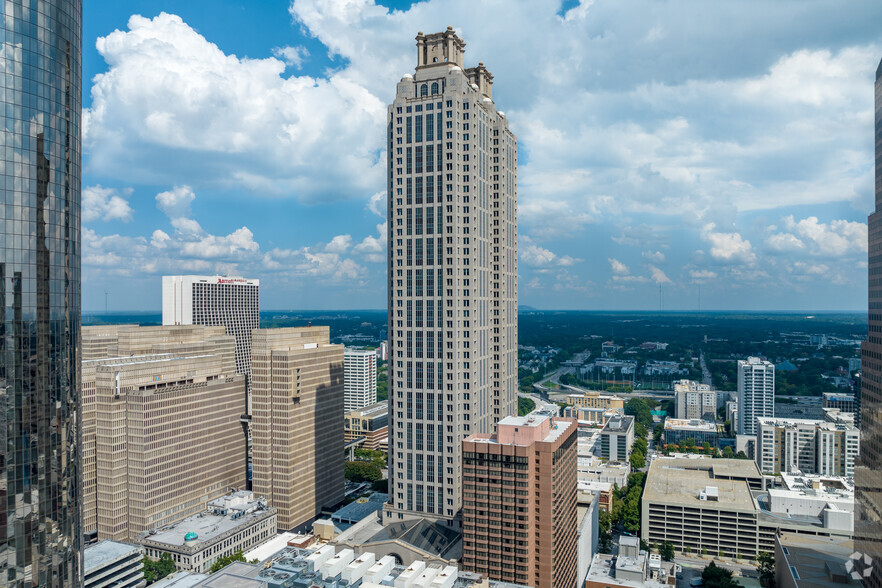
column 725, row 147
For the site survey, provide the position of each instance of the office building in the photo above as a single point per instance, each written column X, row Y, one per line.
column 590, row 417
column 370, row 423
column 822, row 497
column 130, row 344
column 40, row 534
column 720, row 507
column 167, row 439
column 452, row 212
column 756, row 393
column 297, row 422
column 593, row 399
column 359, row 378
column 111, row 564
column 231, row 302
column 807, row 446
column 519, row 502
column 617, row 438
column 677, row 430
column 695, row 401
column 231, row 523
column 844, row 402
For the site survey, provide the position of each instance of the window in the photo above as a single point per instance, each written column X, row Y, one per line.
column 424, row 90
column 434, row 87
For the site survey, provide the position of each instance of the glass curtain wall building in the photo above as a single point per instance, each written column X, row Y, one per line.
column 40, row 70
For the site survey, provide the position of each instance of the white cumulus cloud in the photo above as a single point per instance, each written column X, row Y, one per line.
column 105, row 204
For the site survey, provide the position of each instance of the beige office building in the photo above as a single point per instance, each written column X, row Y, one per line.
column 695, row 401
column 594, row 399
column 297, row 421
column 108, row 345
column 452, row 242
column 807, row 446
column 167, row 441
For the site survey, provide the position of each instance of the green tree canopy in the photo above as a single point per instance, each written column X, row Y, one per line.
column 157, row 570
column 715, row 576
column 666, row 551
column 362, row 471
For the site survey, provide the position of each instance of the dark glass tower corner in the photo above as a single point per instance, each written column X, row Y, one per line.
column 868, row 468
column 40, row 485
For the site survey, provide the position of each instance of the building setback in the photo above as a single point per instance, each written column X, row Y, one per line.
column 359, row 378
column 519, row 502
column 297, row 421
column 452, row 243
column 40, row 480
column 756, row 393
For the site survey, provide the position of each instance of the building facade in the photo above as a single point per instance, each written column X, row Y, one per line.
column 617, row 438
column 452, row 243
column 40, row 534
column 120, row 344
column 807, row 446
column 359, row 378
column 370, row 422
column 695, row 401
column 168, row 440
column 677, row 430
column 519, row 502
column 592, row 399
column 231, row 302
column 756, row 393
column 297, row 422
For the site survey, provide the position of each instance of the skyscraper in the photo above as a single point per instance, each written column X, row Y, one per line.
column 360, row 378
column 297, row 422
column 868, row 466
column 756, row 393
column 452, row 242
column 40, row 487
column 230, row 302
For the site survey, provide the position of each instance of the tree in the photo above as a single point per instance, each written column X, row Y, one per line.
column 741, row 455
column 380, row 486
column 157, row 570
column 223, row 562
column 716, row 577
column 765, row 565
column 638, row 460
column 640, row 411
column 362, row 471
column 666, row 551
column 728, row 453
column 525, row 406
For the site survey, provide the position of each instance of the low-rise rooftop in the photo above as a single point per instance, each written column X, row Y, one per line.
column 106, row 552
column 674, row 482
column 696, row 425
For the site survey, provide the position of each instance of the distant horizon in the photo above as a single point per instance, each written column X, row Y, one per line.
column 525, row 308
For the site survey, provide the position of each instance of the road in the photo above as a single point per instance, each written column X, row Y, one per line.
column 693, row 566
column 705, row 373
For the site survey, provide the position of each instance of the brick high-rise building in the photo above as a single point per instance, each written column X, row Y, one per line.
column 297, row 421
column 452, row 242
column 868, row 467
column 519, row 502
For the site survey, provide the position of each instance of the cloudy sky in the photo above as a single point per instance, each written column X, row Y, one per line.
column 671, row 153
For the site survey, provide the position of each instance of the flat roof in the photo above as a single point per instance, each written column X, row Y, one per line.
column 602, row 571
column 669, row 482
column 814, row 558
column 206, row 525
column 270, row 547
column 619, row 424
column 180, row 580
column 105, row 552
column 690, row 425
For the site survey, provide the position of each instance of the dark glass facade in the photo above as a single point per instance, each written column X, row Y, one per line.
column 40, row 482
column 868, row 468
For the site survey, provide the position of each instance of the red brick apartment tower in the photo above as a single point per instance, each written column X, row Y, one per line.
column 519, row 502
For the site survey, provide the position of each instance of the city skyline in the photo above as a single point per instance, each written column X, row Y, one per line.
column 637, row 189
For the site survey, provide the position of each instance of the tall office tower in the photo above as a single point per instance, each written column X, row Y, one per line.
column 695, row 401
column 868, row 468
column 40, row 535
column 756, row 393
column 129, row 344
column 359, row 378
column 452, row 186
column 297, row 439
column 215, row 300
column 519, row 502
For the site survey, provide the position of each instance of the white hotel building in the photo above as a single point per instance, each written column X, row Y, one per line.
column 359, row 378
